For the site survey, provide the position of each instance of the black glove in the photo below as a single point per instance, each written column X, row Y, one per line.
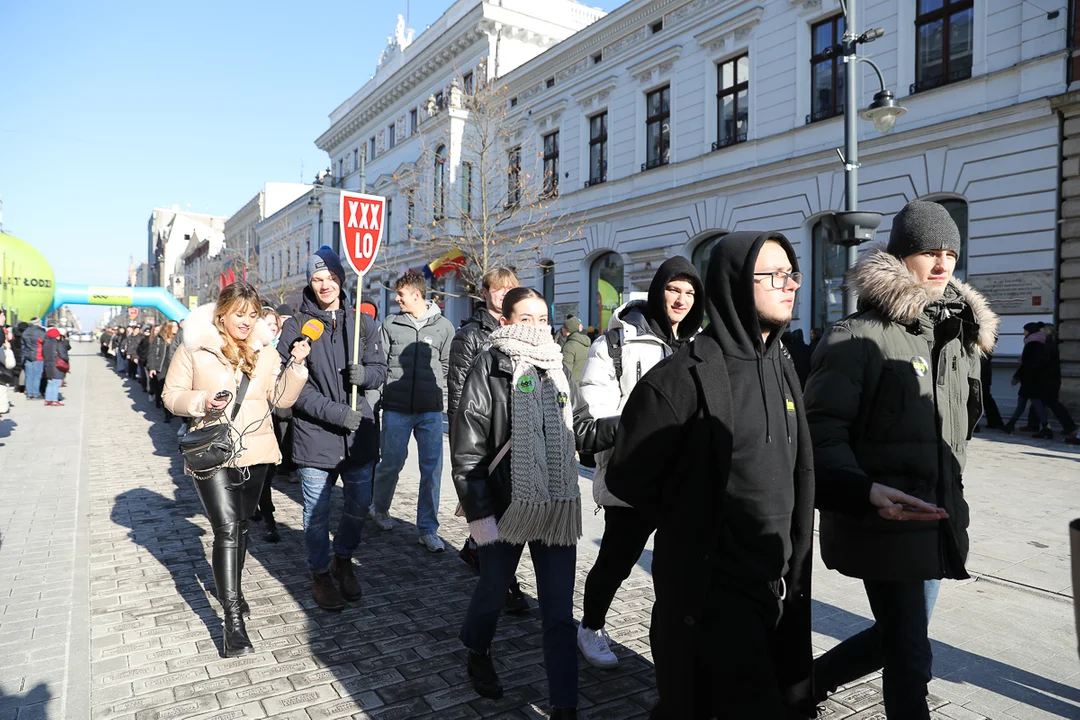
column 354, row 374
column 353, row 418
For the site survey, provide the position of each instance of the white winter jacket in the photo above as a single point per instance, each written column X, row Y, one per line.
column 641, row 350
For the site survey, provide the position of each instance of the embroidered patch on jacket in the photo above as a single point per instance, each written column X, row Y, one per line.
column 790, row 404
column 920, row 365
column 428, row 340
column 526, row 384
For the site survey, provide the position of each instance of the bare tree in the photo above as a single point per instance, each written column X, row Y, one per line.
column 480, row 187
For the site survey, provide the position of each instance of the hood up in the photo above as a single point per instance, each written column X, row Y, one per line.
column 657, row 310
column 885, row 283
column 729, row 291
column 200, row 332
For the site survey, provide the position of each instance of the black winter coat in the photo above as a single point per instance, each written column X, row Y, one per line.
column 1036, row 371
column 319, row 438
column 54, row 349
column 155, row 356
column 483, row 427
column 672, row 460
column 473, row 338
column 33, row 340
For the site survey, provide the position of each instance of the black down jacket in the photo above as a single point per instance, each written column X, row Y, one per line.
column 483, row 427
column 473, row 338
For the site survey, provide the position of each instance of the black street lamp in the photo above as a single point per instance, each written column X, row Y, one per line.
column 853, row 227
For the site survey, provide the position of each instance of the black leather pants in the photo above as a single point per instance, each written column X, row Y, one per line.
column 229, row 500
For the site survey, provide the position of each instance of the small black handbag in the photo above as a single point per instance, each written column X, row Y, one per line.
column 209, row 448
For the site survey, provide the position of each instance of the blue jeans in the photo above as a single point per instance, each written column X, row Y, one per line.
column 396, row 429
column 897, row 642
column 33, row 370
column 121, row 363
column 555, row 567
column 356, row 489
column 52, row 389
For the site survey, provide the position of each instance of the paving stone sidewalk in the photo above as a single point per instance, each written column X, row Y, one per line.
column 105, row 612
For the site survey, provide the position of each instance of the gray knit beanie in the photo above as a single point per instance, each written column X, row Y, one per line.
column 325, row 259
column 923, row 226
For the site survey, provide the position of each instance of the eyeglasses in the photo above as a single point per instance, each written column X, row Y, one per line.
column 781, row 279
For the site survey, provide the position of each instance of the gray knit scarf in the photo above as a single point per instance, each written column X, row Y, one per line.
column 545, row 502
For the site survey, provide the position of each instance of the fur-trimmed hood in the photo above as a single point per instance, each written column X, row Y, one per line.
column 200, row 332
column 884, row 282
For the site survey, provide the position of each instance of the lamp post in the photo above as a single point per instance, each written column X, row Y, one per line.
column 853, row 227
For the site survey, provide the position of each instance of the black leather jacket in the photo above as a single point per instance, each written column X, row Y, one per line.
column 483, row 427
column 473, row 338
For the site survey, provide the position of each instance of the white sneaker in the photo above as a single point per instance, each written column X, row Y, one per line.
column 382, row 520
column 594, row 646
column 432, row 543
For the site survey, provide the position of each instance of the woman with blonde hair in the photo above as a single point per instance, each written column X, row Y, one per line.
column 226, row 353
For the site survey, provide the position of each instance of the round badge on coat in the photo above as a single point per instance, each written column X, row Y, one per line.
column 526, row 384
column 920, row 365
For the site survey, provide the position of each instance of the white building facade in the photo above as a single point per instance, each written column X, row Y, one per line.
column 678, row 121
column 169, row 233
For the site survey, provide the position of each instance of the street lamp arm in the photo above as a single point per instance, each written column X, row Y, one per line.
column 871, row 63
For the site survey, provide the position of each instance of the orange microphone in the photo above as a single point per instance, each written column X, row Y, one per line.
column 312, row 330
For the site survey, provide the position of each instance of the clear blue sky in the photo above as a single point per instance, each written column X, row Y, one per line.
column 110, row 109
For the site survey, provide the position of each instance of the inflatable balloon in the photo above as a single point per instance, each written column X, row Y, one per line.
column 26, row 279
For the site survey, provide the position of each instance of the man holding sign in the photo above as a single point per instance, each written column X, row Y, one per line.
column 331, row 438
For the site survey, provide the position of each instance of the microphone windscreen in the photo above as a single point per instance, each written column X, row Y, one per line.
column 313, row 329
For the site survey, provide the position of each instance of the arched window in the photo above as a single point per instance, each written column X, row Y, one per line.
column 440, row 183
column 547, row 274
column 958, row 210
column 605, row 289
column 830, row 263
column 700, row 256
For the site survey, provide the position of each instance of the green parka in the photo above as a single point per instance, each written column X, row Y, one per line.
column 894, row 395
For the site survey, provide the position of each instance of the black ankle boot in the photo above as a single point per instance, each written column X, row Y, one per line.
column 234, row 632
column 272, row 534
column 326, row 595
column 342, row 570
column 563, row 713
column 484, row 679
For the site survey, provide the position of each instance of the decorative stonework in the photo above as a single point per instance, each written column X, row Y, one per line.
column 597, row 94
column 531, row 92
column 626, row 42
column 694, row 8
column 575, row 69
column 548, row 118
column 728, row 35
column 656, row 66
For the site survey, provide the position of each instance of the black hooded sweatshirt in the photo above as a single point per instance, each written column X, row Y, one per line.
column 656, row 313
column 760, row 494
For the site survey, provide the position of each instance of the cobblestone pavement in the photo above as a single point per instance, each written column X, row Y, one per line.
column 105, row 609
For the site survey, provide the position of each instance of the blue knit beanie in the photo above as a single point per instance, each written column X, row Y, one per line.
column 325, row 259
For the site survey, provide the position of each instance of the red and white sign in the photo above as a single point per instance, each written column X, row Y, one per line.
column 133, row 313
column 362, row 218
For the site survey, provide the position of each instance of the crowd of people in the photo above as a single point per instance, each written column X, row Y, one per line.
column 34, row 360
column 703, row 426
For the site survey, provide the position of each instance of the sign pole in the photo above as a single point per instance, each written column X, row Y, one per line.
column 356, row 331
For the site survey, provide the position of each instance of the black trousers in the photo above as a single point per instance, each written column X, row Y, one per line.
column 229, row 498
column 626, row 531
column 703, row 681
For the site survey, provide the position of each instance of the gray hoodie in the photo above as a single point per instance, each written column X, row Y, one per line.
column 418, row 356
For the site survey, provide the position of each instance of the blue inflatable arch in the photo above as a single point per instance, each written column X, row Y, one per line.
column 152, row 297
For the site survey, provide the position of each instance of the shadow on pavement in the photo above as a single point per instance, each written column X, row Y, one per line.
column 7, row 426
column 1076, row 457
column 396, row 653
column 33, row 704
column 960, row 666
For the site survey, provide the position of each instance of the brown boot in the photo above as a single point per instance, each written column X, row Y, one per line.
column 326, row 595
column 342, row 570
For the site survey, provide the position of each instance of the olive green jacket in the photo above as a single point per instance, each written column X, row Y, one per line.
column 894, row 395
